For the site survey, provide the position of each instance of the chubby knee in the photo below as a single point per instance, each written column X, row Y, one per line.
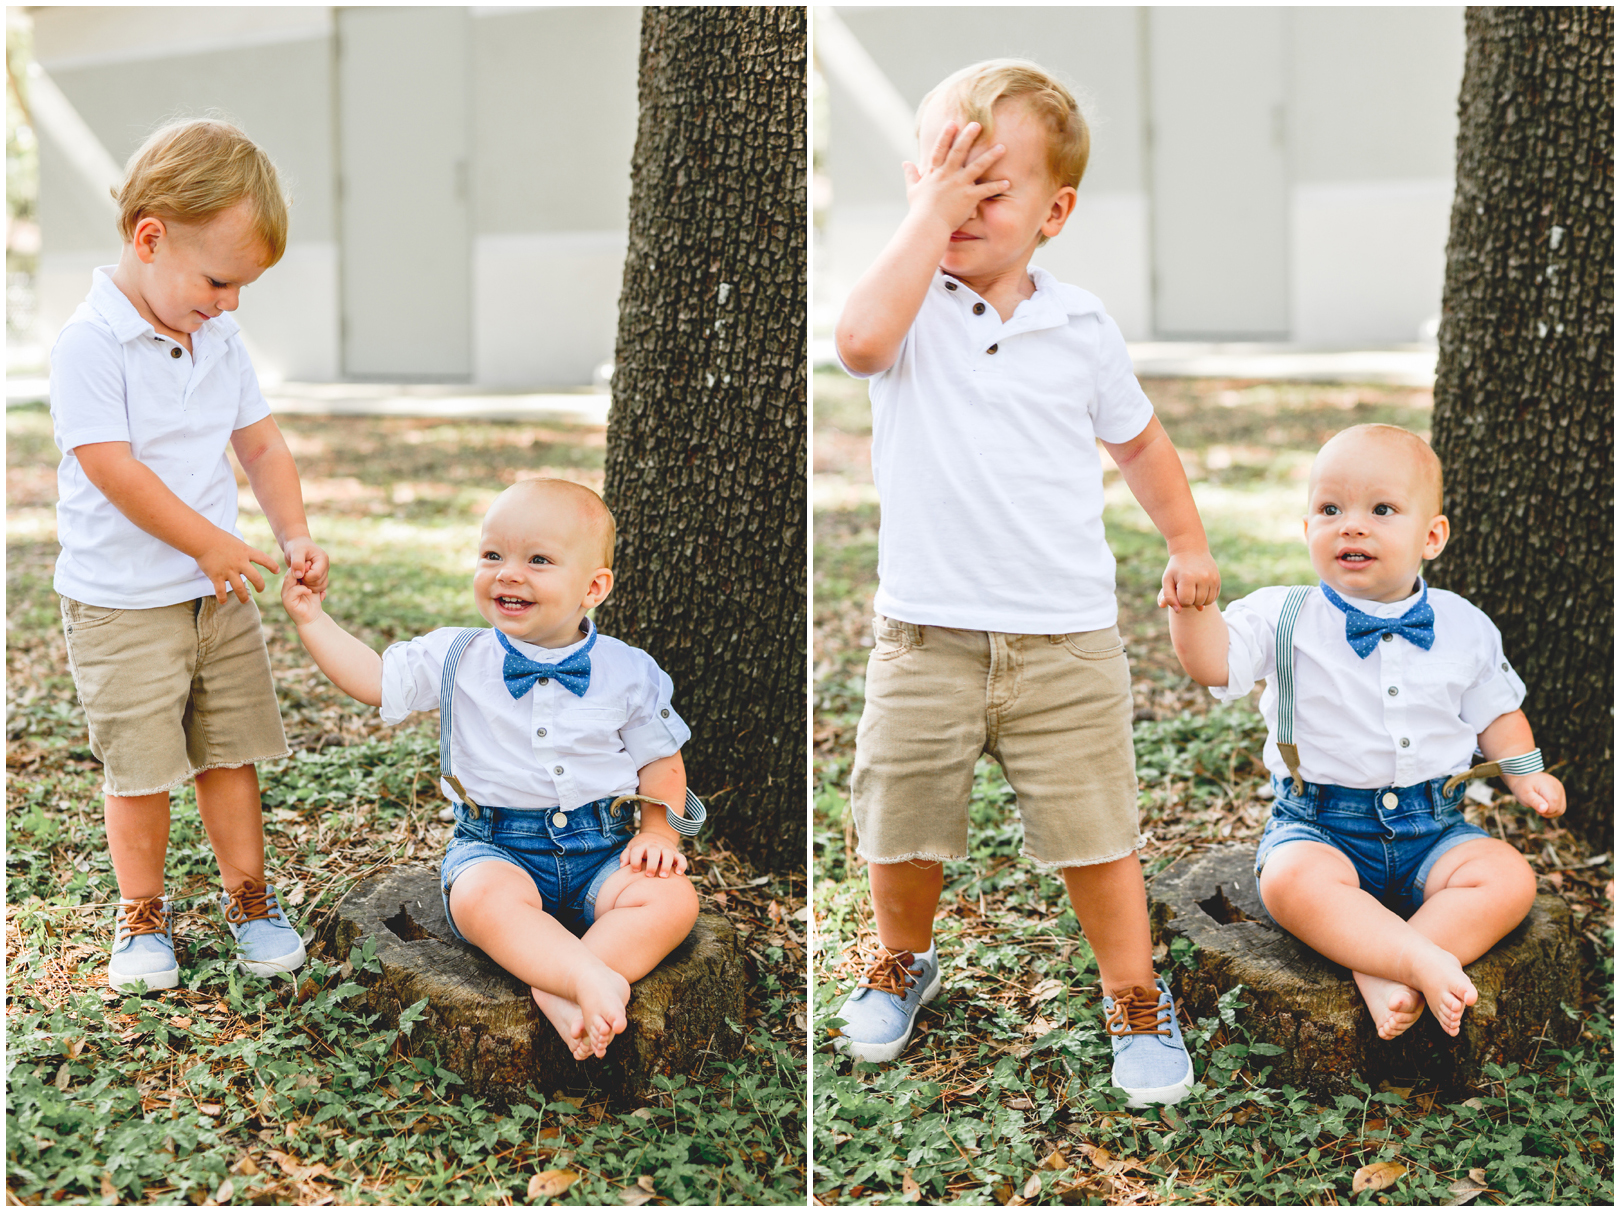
column 1299, row 869
column 486, row 893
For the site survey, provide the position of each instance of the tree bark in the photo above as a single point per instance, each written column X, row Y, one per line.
column 1523, row 399
column 706, row 438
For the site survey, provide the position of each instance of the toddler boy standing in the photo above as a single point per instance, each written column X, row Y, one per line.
column 1378, row 691
column 992, row 384
column 149, row 383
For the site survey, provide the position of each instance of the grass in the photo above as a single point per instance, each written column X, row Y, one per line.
column 233, row 1089
column 1003, row 1095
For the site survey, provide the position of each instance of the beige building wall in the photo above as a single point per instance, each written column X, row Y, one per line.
column 1256, row 173
column 553, row 112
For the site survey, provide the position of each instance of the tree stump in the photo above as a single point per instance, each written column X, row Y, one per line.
column 485, row 1023
column 1311, row 1008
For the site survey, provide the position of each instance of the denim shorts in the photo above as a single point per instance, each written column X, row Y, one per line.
column 1393, row 848
column 568, row 862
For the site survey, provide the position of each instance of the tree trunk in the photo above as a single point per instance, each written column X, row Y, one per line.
column 706, row 439
column 1523, row 400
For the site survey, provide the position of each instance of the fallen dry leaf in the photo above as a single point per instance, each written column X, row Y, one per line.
column 1020, row 1104
column 1055, row 1161
column 548, row 1184
column 227, row 1190
column 1045, row 991
column 1033, row 1187
column 1464, row 1191
column 1376, row 1176
column 1038, row 1026
column 910, row 1192
column 645, row 1182
column 634, row 1197
column 246, row 1166
column 180, row 1020
column 108, row 1191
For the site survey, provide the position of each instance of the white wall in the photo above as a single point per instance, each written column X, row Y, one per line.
column 546, row 306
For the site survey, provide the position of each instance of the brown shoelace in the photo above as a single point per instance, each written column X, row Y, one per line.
column 889, row 972
column 1137, row 1012
column 249, row 903
column 145, row 916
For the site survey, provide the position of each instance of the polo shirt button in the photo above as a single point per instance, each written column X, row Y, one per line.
column 993, row 348
column 543, row 681
column 559, row 819
column 950, row 286
column 1391, row 799
column 665, row 713
column 175, row 352
column 1394, row 690
column 539, row 732
column 978, row 309
column 556, row 770
column 1406, row 742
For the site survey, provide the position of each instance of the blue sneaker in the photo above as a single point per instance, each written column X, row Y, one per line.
column 1151, row 1064
column 879, row 1015
column 143, row 946
column 266, row 943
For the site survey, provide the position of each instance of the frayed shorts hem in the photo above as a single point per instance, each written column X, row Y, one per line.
column 916, row 856
column 1059, row 864
column 107, row 787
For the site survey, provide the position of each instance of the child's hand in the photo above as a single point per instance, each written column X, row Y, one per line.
column 950, row 188
column 307, row 563
column 299, row 600
column 1190, row 579
column 229, row 565
column 653, row 854
column 1539, row 791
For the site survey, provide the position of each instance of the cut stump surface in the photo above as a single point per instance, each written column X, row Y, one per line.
column 486, row 1024
column 1311, row 1008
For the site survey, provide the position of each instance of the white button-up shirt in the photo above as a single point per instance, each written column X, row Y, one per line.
column 551, row 748
column 984, row 451
column 115, row 379
column 1399, row 716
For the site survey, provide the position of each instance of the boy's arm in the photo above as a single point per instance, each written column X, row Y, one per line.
column 1201, row 643
column 656, row 850
column 884, row 303
column 1508, row 736
column 1154, row 474
column 354, row 668
column 273, row 475
column 138, row 493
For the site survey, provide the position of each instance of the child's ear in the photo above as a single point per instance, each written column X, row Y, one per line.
column 1063, row 203
column 601, row 585
column 148, row 231
column 1439, row 532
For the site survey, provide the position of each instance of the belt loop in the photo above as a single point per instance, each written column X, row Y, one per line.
column 916, row 634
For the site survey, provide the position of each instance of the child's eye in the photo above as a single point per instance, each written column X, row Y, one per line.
column 538, row 560
column 1331, row 511
column 1383, row 511
column 490, row 555
column 216, row 285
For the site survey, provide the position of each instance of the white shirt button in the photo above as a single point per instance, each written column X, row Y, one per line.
column 539, row 732
column 559, row 819
column 1394, row 690
column 556, row 770
column 1391, row 799
column 664, row 713
column 1406, row 742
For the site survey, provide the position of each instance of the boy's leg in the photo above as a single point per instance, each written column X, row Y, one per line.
column 905, row 897
column 498, row 910
column 1110, row 901
column 138, row 841
column 1315, row 894
column 1475, row 894
column 228, row 802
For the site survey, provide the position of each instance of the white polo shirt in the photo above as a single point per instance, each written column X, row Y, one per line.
column 551, row 748
column 1399, row 716
column 984, row 451
column 115, row 379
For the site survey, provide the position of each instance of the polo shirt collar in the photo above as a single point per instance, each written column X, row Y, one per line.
column 113, row 306
column 1053, row 304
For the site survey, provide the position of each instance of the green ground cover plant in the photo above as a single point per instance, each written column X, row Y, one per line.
column 1003, row 1095
column 233, row 1089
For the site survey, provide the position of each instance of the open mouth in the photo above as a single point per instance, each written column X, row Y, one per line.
column 1354, row 559
column 511, row 605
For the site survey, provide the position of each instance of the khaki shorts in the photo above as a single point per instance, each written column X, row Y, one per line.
column 1054, row 710
column 173, row 690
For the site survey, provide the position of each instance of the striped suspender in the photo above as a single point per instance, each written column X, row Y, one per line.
column 1292, row 605
column 447, row 686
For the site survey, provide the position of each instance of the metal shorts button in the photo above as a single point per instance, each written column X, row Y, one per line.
column 559, row 819
column 1391, row 799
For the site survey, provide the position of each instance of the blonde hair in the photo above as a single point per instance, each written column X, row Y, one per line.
column 975, row 89
column 190, row 172
column 1426, row 462
column 590, row 510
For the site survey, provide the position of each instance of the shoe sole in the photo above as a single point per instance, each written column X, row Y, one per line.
column 166, row 979
column 1135, row 1100
column 887, row 1052
column 274, row 967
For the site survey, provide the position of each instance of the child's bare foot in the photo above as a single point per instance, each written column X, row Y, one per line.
column 567, row 1017
column 1394, row 1006
column 1445, row 986
column 603, row 995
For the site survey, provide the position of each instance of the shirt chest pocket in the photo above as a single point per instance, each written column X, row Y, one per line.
column 597, row 719
column 1440, row 685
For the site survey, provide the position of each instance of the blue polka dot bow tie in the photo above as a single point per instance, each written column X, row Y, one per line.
column 573, row 671
column 1364, row 630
